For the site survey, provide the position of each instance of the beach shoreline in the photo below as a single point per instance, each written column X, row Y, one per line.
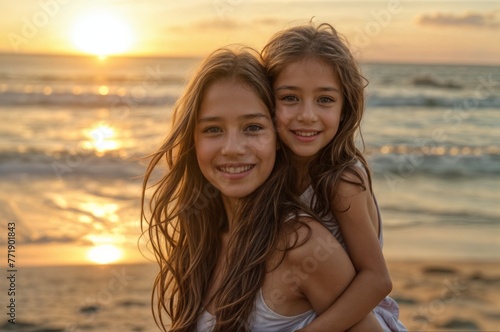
column 440, row 295
column 433, row 295
column 442, row 242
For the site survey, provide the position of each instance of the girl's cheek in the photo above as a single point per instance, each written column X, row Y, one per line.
column 280, row 116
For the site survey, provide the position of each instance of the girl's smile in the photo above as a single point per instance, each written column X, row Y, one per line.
column 235, row 171
column 235, row 141
column 308, row 106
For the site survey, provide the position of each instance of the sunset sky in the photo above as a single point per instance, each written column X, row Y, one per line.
column 388, row 31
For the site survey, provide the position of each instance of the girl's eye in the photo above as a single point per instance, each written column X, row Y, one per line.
column 325, row 100
column 212, row 130
column 289, row 98
column 254, row 128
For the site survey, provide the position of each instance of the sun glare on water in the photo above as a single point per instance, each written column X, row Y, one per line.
column 104, row 254
column 102, row 33
column 101, row 138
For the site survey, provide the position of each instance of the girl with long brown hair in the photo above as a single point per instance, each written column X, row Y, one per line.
column 235, row 248
column 319, row 95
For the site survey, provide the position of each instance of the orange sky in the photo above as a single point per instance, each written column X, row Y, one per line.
column 389, row 31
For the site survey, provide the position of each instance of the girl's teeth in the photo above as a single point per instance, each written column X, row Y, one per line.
column 306, row 133
column 236, row 170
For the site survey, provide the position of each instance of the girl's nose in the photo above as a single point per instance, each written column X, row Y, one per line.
column 234, row 144
column 307, row 113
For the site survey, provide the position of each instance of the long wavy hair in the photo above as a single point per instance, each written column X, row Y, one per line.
column 188, row 217
column 340, row 155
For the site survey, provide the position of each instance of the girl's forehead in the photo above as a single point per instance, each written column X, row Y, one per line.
column 312, row 70
column 228, row 98
column 307, row 62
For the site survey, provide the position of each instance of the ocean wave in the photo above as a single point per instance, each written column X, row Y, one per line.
column 446, row 163
column 428, row 101
column 79, row 78
column 108, row 94
column 421, row 217
column 63, row 164
column 431, row 81
column 445, row 166
column 49, row 97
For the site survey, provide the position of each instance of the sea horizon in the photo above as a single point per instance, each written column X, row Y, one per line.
column 110, row 57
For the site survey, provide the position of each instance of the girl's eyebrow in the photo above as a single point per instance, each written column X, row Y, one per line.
column 245, row 117
column 321, row 89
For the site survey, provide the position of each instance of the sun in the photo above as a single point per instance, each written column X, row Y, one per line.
column 104, row 254
column 102, row 33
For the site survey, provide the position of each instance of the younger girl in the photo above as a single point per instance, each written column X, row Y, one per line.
column 319, row 94
column 231, row 258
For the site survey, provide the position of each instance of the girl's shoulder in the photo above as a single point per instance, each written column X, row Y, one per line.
column 358, row 164
column 305, row 237
column 354, row 175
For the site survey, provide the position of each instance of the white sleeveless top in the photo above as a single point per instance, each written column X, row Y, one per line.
column 263, row 319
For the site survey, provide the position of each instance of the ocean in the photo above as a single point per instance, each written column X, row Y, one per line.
column 73, row 129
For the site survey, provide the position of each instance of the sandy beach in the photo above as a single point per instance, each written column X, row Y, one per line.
column 433, row 296
column 447, row 295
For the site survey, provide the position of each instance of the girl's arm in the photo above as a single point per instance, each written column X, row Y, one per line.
column 372, row 281
column 325, row 268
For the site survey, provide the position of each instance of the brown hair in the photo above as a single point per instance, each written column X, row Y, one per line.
column 341, row 154
column 187, row 214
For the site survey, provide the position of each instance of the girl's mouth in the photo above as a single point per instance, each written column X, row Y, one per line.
column 305, row 133
column 235, row 169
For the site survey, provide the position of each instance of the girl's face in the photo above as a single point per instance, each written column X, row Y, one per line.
column 234, row 138
column 308, row 106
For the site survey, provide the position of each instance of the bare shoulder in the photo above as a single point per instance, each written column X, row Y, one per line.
column 355, row 177
column 318, row 268
column 308, row 238
column 354, row 186
column 355, row 173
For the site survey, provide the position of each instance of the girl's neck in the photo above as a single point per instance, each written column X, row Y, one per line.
column 230, row 207
column 303, row 181
column 301, row 166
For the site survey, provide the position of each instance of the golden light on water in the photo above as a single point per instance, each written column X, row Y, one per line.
column 101, row 138
column 102, row 33
column 104, row 254
column 103, row 90
column 47, row 90
column 77, row 90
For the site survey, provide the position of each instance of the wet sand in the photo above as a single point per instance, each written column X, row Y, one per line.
column 447, row 295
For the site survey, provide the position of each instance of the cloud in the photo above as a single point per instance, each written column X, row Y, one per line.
column 208, row 25
column 469, row 19
column 269, row 21
column 26, row 239
column 228, row 24
column 50, row 239
column 219, row 24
